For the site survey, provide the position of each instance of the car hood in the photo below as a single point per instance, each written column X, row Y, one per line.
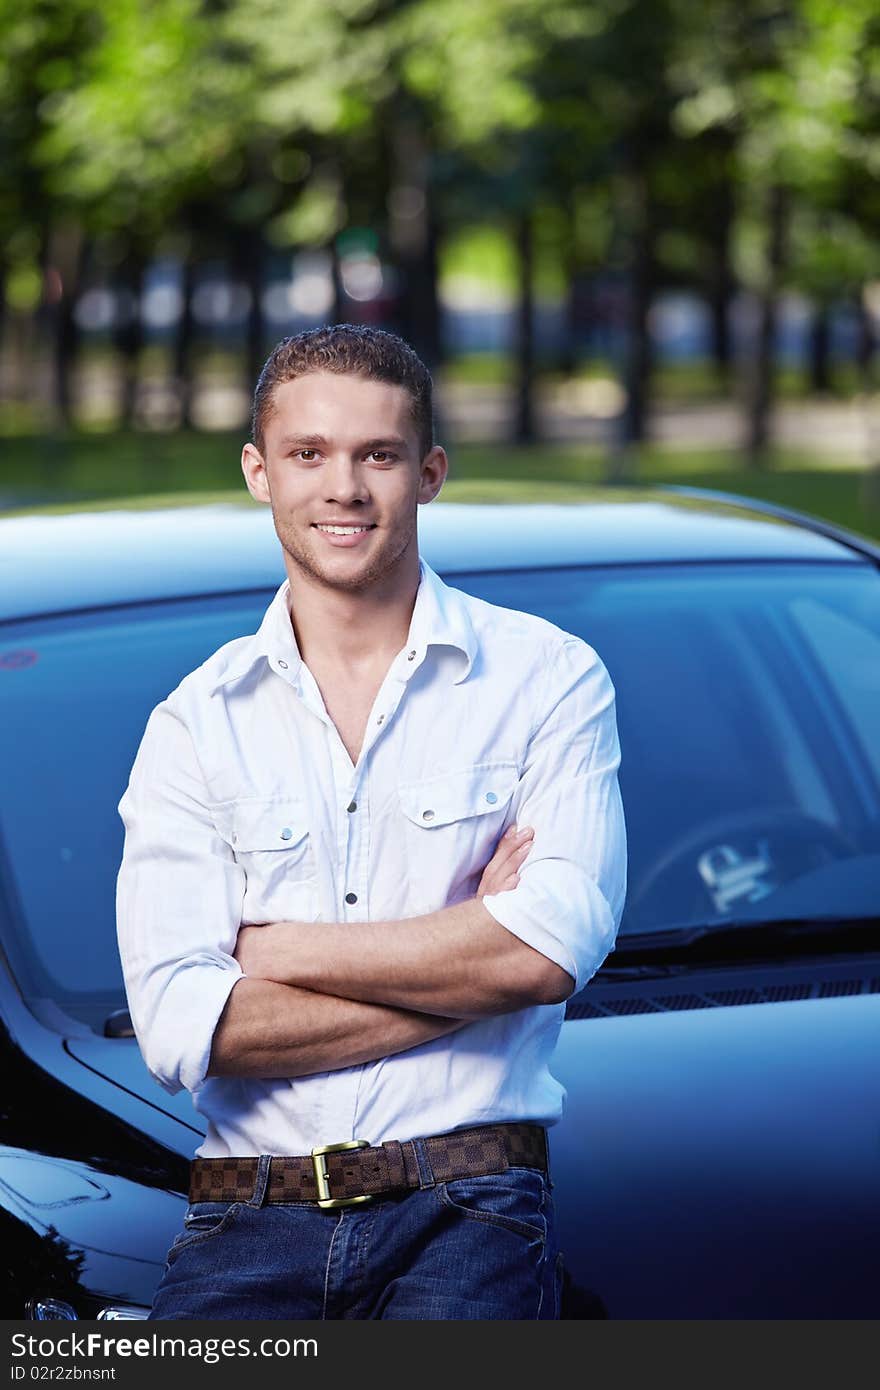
column 119, row 1060
column 711, row 1161
column 722, row 1161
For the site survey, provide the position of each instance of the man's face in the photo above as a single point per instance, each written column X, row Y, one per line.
column 343, row 451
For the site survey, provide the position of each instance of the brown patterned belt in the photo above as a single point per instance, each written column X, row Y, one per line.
column 337, row 1175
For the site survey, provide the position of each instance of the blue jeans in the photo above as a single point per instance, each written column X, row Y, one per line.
column 475, row 1248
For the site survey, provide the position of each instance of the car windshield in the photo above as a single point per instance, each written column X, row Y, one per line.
column 748, row 702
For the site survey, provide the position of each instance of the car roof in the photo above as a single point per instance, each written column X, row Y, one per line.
column 87, row 558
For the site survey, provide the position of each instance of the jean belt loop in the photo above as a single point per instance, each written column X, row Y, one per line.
column 261, row 1182
column 426, row 1172
column 549, row 1174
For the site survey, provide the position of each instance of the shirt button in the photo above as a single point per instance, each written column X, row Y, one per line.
column 287, row 833
column 352, row 806
column 427, row 815
column 283, row 665
column 410, row 656
column 379, row 720
column 351, row 897
column 491, row 798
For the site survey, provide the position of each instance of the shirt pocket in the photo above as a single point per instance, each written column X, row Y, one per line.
column 452, row 824
column 271, row 840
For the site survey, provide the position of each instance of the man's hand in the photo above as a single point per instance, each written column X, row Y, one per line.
column 502, row 871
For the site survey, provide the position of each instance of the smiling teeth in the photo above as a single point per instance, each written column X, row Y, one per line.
column 342, row 530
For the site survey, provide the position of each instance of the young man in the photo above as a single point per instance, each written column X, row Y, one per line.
column 323, row 927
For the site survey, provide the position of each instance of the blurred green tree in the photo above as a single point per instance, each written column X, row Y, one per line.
column 46, row 45
column 781, row 77
column 645, row 143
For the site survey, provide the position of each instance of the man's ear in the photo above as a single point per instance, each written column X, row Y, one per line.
column 433, row 469
column 253, row 466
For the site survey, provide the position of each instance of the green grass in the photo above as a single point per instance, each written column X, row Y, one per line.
column 478, row 369
column 161, row 469
column 691, row 382
column 94, row 465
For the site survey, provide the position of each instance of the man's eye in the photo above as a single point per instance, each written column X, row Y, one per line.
column 307, row 455
column 380, row 456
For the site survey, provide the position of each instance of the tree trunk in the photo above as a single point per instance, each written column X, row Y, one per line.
column 636, row 237
column 761, row 378
column 430, row 283
column 568, row 349
column 67, row 251
column 639, row 355
column 67, row 335
column 254, row 274
column 4, row 316
column 247, row 265
column 819, row 364
column 184, row 340
column 866, row 342
column 129, row 335
column 338, row 311
column 437, row 347
column 524, row 373
column 413, row 236
column 722, row 284
column 632, row 426
column 869, row 492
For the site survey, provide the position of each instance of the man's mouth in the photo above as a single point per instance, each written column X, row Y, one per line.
column 342, row 530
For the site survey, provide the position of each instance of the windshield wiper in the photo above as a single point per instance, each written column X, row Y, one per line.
column 744, row 936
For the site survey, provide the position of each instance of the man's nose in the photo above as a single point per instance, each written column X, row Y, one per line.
column 345, row 481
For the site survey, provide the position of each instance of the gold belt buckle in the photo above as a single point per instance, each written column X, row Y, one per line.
column 323, row 1180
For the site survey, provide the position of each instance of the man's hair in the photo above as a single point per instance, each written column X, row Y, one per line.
column 347, row 349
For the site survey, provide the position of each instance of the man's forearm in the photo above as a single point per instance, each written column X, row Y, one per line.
column 277, row 1030
column 457, row 961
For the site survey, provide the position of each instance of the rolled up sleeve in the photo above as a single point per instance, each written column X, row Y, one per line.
column 569, row 899
column 178, row 907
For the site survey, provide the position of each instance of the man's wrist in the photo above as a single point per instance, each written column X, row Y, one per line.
column 284, row 952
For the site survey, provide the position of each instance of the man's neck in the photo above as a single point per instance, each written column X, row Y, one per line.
column 346, row 632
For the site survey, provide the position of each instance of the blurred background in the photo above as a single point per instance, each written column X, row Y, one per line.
column 635, row 240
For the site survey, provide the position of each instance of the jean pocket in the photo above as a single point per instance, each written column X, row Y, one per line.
column 201, row 1221
column 517, row 1201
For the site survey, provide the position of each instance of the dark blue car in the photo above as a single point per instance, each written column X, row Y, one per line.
column 720, row 1151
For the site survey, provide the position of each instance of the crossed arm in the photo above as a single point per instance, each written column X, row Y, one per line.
column 288, row 999
column 308, row 1003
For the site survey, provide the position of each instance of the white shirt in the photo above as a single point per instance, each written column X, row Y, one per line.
column 244, row 807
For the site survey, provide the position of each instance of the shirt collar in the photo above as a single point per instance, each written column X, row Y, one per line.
column 440, row 619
